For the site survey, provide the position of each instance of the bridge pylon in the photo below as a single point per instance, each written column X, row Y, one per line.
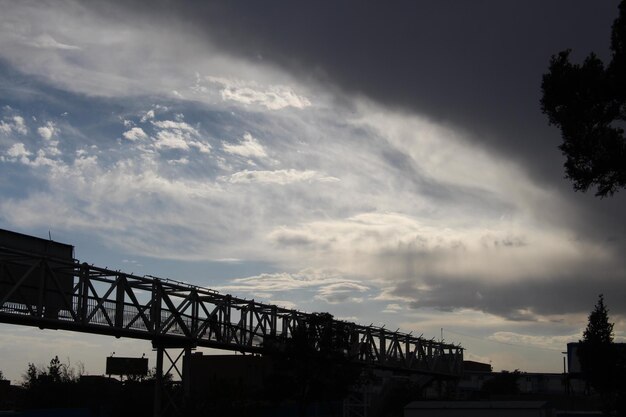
column 172, row 362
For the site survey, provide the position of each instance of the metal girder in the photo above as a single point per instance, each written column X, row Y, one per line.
column 168, row 312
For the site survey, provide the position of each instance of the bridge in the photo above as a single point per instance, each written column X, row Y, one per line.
column 42, row 285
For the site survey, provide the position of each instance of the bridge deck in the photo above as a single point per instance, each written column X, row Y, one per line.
column 48, row 292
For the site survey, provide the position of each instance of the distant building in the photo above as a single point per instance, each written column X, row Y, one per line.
column 478, row 409
column 573, row 363
column 473, row 366
column 541, row 383
column 575, row 382
column 476, row 374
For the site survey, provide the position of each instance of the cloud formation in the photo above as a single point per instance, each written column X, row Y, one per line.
column 281, row 176
column 274, row 97
column 397, row 170
column 134, row 133
column 248, row 147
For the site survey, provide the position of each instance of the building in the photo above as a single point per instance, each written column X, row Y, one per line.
column 478, row 409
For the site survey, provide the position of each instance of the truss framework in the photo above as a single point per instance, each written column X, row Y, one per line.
column 175, row 314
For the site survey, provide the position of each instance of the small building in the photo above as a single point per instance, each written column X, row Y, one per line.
column 575, row 381
column 478, row 409
column 476, row 367
column 541, row 383
column 474, row 376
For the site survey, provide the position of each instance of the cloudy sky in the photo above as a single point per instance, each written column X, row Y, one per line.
column 388, row 164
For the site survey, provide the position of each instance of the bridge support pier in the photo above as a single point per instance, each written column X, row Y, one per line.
column 158, row 384
column 170, row 396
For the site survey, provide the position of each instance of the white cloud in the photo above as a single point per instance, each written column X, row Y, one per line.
column 341, row 292
column 388, row 294
column 171, row 139
column 19, row 125
column 202, row 147
column 5, row 128
column 149, row 115
column 181, row 161
column 280, row 282
column 179, row 135
column 176, row 125
column 281, row 176
column 272, row 97
column 15, row 124
column 393, row 308
column 128, row 57
column 248, row 147
column 275, row 98
column 18, row 152
column 135, row 133
column 330, row 286
column 47, row 131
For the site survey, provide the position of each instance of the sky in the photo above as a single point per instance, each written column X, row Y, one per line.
column 386, row 163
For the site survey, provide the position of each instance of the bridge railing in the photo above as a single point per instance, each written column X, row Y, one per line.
column 49, row 292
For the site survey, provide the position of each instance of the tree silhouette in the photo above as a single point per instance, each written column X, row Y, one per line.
column 504, row 383
column 314, row 364
column 599, row 331
column 601, row 360
column 588, row 103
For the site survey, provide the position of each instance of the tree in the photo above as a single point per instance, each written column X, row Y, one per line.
column 504, row 383
column 51, row 386
column 588, row 103
column 31, row 377
column 599, row 331
column 601, row 361
column 314, row 363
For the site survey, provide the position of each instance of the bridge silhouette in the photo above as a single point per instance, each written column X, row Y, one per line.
column 42, row 285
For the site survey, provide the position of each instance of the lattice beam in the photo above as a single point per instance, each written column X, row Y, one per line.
column 53, row 293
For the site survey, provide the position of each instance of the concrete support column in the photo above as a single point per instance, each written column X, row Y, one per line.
column 186, row 375
column 158, row 384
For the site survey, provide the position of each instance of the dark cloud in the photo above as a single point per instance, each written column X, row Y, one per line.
column 520, row 300
column 474, row 65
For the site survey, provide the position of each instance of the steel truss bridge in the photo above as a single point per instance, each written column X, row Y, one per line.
column 56, row 293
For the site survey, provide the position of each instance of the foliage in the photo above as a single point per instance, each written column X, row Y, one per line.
column 315, row 365
column 588, row 103
column 599, row 331
column 151, row 377
column 49, row 386
column 602, row 361
column 503, row 383
column 55, row 373
column 60, row 385
column 1, row 376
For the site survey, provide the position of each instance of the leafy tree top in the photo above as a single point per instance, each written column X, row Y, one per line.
column 599, row 331
column 588, row 103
